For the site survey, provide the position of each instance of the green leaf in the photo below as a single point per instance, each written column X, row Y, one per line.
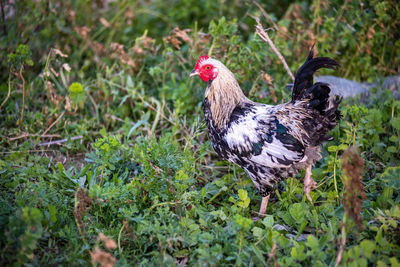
column 181, row 176
column 219, row 213
column 395, row 211
column 298, row 253
column 259, row 254
column 53, row 213
column 395, row 122
column 206, row 237
column 75, row 88
column 242, row 194
column 243, row 222
column 202, row 222
column 32, row 215
column 268, row 221
column 391, row 176
column 368, row 247
column 203, row 192
column 245, row 203
column 312, row 242
column 297, row 212
column 342, row 147
column 258, row 232
column 332, row 148
column 394, row 262
column 103, row 132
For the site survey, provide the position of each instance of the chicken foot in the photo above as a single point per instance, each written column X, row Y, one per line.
column 309, row 183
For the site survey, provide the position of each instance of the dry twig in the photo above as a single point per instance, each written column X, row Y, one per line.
column 18, row 137
column 264, row 35
column 29, row 151
column 24, row 135
column 54, row 123
column 268, row 17
column 272, row 256
column 57, row 142
column 9, row 91
column 342, row 245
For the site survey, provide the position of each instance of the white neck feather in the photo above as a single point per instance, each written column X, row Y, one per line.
column 223, row 94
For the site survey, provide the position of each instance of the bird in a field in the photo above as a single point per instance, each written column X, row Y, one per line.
column 271, row 143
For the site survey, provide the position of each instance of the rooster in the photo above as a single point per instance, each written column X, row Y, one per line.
column 271, row 143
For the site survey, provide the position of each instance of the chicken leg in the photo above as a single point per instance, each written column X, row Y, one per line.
column 264, row 204
column 308, row 183
column 263, row 208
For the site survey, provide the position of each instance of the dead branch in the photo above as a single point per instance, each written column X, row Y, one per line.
column 268, row 17
column 264, row 35
column 57, row 142
column 54, row 123
column 9, row 91
column 29, row 151
column 272, row 256
column 18, row 137
column 24, row 135
column 342, row 245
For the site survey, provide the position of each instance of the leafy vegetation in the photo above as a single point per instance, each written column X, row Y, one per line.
column 110, row 163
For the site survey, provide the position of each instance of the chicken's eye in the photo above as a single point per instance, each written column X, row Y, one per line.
column 208, row 67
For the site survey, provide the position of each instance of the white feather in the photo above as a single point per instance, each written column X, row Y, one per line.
column 242, row 135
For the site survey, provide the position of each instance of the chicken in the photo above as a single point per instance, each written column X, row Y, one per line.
column 271, row 143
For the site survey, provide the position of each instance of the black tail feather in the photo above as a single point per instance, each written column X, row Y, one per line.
column 322, row 107
column 304, row 77
column 323, row 122
column 318, row 94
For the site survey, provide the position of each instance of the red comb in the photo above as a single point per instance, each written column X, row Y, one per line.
column 201, row 59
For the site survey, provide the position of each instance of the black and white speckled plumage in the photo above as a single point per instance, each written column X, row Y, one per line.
column 273, row 143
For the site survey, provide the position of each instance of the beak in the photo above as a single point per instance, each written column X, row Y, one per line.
column 193, row 73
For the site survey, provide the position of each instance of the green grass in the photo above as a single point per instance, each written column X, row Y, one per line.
column 137, row 164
